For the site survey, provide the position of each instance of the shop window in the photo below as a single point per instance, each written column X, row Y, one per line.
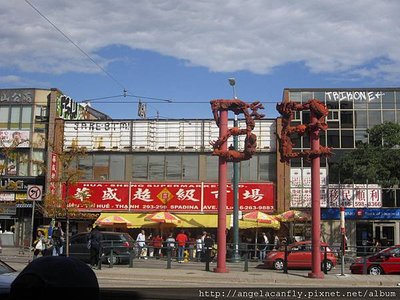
column 388, row 198
column 190, row 167
column 249, row 170
column 305, row 117
column 361, row 119
column 41, row 114
column 397, row 97
column 346, row 104
column 333, row 115
column 140, row 167
column 4, row 111
column 26, row 117
column 319, row 96
column 173, row 164
column 332, row 105
column 388, row 100
column 374, row 103
column 389, row 116
column 117, row 167
column 374, row 118
column 346, row 119
column 37, row 163
column 212, row 168
column 295, row 96
column 15, row 117
column 85, row 165
column 267, row 164
column 100, row 167
column 156, row 167
column 361, row 136
column 305, row 96
column 347, row 139
column 333, row 138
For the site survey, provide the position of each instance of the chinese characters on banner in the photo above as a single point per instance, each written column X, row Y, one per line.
column 175, row 197
column 53, row 173
column 332, row 195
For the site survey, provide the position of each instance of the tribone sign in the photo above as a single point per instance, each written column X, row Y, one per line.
column 174, row 197
column 353, row 96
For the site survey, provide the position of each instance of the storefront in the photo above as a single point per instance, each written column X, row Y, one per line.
column 364, row 225
column 352, row 111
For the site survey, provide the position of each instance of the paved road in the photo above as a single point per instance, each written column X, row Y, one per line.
column 154, row 274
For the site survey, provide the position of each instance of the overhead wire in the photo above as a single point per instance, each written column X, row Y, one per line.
column 76, row 45
column 125, row 94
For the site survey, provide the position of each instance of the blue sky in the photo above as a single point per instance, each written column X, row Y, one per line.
column 185, row 51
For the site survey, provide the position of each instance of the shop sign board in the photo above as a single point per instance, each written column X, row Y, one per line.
column 19, row 184
column 362, row 214
column 175, row 197
column 7, row 197
column 7, row 209
column 68, row 109
column 17, row 96
column 14, row 138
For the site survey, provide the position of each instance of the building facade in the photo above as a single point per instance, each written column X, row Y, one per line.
column 137, row 167
column 371, row 211
column 27, row 121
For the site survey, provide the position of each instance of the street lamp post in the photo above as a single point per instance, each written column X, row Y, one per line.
column 235, row 182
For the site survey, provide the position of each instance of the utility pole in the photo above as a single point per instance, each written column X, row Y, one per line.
column 235, row 182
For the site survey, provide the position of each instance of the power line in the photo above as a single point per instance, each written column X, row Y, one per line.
column 79, row 48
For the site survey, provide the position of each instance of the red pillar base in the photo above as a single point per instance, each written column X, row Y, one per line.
column 319, row 275
column 221, row 270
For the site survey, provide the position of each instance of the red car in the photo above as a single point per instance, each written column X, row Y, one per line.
column 386, row 261
column 299, row 257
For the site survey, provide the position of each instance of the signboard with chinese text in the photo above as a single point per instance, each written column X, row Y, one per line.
column 173, row 197
column 300, row 187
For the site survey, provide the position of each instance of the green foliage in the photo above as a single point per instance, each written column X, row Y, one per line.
column 376, row 162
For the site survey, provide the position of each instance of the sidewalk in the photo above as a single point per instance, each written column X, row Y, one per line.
column 154, row 273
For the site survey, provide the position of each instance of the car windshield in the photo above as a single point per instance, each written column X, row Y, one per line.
column 4, row 268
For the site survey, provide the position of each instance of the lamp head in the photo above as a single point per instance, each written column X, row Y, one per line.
column 232, row 81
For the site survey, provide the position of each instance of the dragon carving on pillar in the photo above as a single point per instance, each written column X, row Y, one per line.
column 287, row 109
column 250, row 143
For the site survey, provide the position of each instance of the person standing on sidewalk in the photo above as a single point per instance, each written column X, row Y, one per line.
column 264, row 246
column 141, row 242
column 208, row 247
column 181, row 239
column 58, row 240
column 39, row 244
column 94, row 245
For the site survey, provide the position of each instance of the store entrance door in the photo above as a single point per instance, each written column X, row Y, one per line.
column 385, row 232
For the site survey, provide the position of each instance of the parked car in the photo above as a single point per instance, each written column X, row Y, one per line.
column 386, row 261
column 7, row 276
column 299, row 257
column 122, row 244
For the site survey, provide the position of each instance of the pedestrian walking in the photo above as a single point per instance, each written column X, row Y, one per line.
column 264, row 246
column 181, row 239
column 58, row 239
column 141, row 243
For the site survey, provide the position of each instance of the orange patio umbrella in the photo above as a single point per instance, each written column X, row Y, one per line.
column 294, row 216
column 113, row 220
column 163, row 217
column 262, row 219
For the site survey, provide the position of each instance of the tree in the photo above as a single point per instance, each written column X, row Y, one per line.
column 377, row 161
column 56, row 201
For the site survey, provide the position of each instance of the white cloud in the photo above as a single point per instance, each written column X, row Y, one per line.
column 231, row 35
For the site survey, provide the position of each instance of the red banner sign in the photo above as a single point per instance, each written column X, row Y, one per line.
column 173, row 197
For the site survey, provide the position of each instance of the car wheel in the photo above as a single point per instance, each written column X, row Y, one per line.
column 375, row 270
column 115, row 260
column 278, row 264
column 328, row 264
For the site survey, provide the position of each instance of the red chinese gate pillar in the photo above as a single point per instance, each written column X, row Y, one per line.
column 315, row 203
column 222, row 168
